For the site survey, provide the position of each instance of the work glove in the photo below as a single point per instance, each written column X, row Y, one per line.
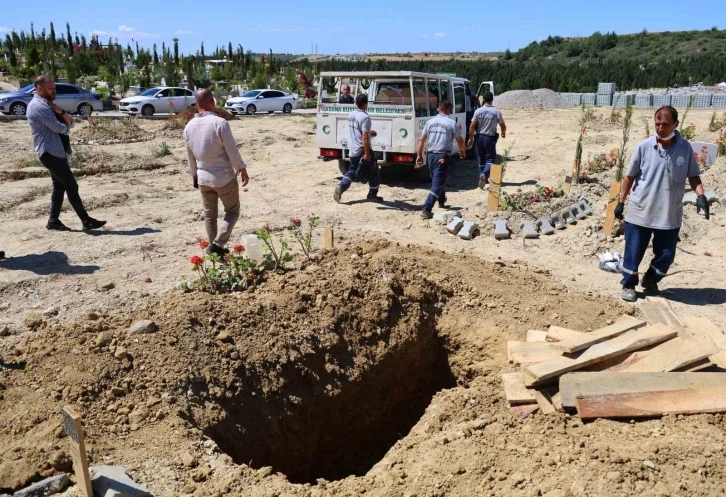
column 619, row 210
column 702, row 203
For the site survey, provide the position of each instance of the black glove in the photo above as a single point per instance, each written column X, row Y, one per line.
column 702, row 203
column 619, row 210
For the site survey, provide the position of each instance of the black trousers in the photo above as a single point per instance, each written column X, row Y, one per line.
column 63, row 183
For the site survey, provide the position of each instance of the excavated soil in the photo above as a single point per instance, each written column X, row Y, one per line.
column 375, row 370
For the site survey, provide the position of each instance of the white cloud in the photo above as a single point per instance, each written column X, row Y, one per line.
column 184, row 32
column 424, row 35
column 126, row 29
column 99, row 32
column 4, row 29
column 125, row 32
column 439, row 35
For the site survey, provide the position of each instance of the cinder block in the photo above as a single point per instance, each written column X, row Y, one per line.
column 568, row 215
column 544, row 226
column 446, row 217
column 711, row 197
column 690, row 198
column 501, row 230
column 529, row 229
column 468, row 230
column 110, row 481
column 584, row 207
column 559, row 220
column 455, row 225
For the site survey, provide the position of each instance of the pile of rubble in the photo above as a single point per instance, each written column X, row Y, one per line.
column 631, row 368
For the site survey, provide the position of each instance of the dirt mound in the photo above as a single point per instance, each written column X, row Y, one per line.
column 529, row 99
column 318, row 373
column 106, row 131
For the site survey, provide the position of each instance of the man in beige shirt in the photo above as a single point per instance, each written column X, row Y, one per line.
column 214, row 162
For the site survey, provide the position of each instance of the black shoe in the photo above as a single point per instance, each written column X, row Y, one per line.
column 2, row 254
column 650, row 287
column 375, row 199
column 93, row 224
column 216, row 249
column 426, row 214
column 56, row 225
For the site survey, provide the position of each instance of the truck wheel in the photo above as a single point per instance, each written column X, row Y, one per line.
column 343, row 165
column 422, row 174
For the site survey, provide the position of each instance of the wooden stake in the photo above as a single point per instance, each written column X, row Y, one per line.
column 329, row 240
column 574, row 178
column 612, row 204
column 495, row 187
column 74, row 430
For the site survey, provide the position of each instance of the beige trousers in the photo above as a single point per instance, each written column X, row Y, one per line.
column 229, row 195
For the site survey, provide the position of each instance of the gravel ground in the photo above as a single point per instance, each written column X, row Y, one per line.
column 531, row 99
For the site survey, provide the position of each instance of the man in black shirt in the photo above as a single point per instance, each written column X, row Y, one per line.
column 346, row 97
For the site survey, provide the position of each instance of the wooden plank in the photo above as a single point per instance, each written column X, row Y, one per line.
column 329, row 239
column 719, row 359
column 535, row 374
column 495, row 187
column 557, row 402
column 575, row 385
column 543, row 401
column 699, row 366
column 573, row 345
column 530, row 352
column 613, row 197
column 515, row 391
column 704, row 328
column 558, row 334
column 74, row 429
column 523, row 412
column 653, row 403
column 673, row 355
column 536, row 336
column 658, row 310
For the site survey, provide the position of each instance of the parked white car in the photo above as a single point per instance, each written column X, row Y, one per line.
column 161, row 99
column 255, row 101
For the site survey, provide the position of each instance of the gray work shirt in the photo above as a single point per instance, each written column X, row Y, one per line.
column 440, row 132
column 486, row 119
column 358, row 122
column 45, row 127
column 656, row 199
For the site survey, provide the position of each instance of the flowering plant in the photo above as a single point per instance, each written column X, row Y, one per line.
column 275, row 257
column 304, row 238
column 232, row 273
column 688, row 132
column 602, row 162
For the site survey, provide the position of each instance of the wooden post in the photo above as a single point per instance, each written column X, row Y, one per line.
column 613, row 197
column 575, row 178
column 329, row 240
column 495, row 187
column 74, row 430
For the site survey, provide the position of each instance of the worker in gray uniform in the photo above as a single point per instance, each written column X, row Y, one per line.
column 656, row 181
column 440, row 131
column 484, row 128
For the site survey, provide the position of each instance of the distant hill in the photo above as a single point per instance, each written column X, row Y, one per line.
column 611, row 46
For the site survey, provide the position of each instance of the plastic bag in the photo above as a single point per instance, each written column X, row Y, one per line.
column 611, row 262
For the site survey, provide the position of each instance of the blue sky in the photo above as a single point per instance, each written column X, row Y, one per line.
column 356, row 27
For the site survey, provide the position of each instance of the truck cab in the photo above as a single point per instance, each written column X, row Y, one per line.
column 399, row 104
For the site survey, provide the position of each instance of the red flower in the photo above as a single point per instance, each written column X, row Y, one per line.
column 238, row 249
column 295, row 222
column 203, row 244
column 196, row 260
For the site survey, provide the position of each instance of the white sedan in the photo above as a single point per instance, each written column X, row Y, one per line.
column 162, row 99
column 255, row 101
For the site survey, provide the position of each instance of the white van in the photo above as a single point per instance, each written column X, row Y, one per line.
column 399, row 104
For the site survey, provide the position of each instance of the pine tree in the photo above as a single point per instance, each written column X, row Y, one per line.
column 69, row 40
column 156, row 56
column 176, row 51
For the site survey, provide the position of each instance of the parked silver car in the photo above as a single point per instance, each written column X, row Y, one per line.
column 71, row 98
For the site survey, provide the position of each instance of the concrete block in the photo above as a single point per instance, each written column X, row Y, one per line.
column 468, row 230
column 710, row 149
column 559, row 221
column 501, row 230
column 544, row 226
column 711, row 197
column 585, row 208
column 690, row 198
column 446, row 217
column 49, row 486
column 455, row 225
column 529, row 229
column 569, row 214
column 112, row 481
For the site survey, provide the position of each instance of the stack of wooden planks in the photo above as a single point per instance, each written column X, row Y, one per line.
column 631, row 368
